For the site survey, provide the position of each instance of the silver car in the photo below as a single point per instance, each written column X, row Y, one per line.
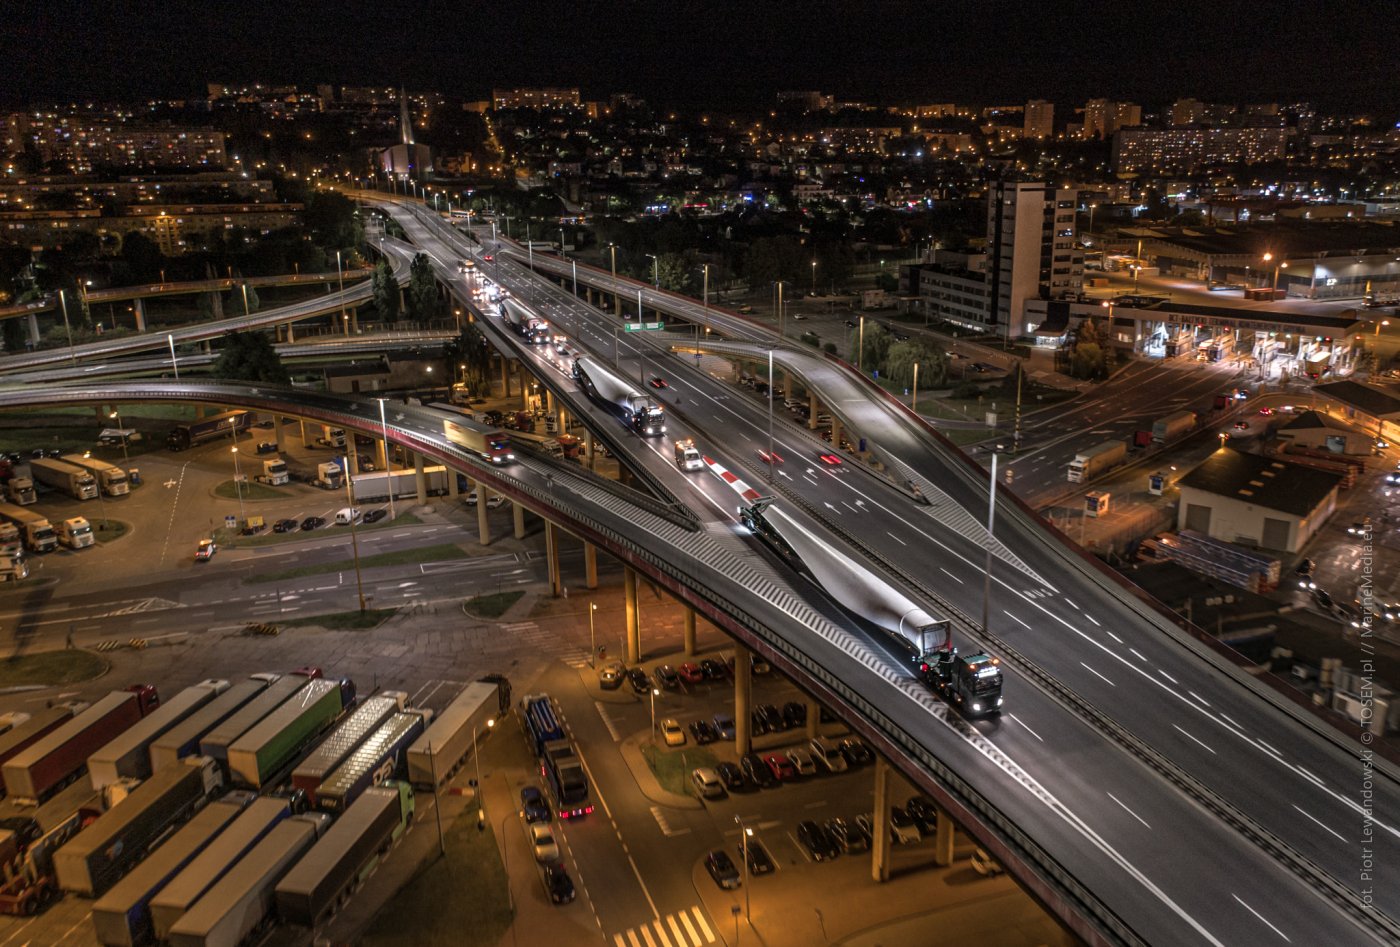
column 707, row 783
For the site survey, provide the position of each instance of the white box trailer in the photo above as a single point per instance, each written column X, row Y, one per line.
column 182, row 739
column 129, row 755
column 435, row 756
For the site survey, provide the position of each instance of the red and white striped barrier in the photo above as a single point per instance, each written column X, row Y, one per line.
column 740, row 487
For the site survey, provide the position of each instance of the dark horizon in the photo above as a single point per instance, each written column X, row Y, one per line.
column 722, row 56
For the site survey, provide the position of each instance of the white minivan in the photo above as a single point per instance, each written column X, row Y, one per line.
column 347, row 515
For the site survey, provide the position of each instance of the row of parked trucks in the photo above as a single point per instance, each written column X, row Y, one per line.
column 228, row 806
column 1101, row 458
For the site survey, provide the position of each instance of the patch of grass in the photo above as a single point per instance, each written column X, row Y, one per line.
column 108, row 530
column 460, row 900
column 50, row 668
column 672, row 767
column 344, row 621
column 252, row 490
column 268, row 538
column 397, row 558
column 965, row 436
column 492, row 606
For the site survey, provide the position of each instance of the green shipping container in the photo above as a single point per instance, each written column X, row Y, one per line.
column 275, row 741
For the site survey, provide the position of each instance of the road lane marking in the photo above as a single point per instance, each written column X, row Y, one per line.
column 1261, row 917
column 1014, row 618
column 951, row 576
column 1138, row 653
column 1096, row 674
column 1167, row 676
column 1329, row 828
column 1023, row 723
column 1111, row 634
column 896, row 538
column 1199, row 697
column 1184, row 733
column 1129, row 811
column 1094, row 620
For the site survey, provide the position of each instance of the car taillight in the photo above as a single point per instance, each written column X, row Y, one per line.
column 563, row 814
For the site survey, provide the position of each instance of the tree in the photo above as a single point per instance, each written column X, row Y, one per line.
column 774, row 258
column 142, row 258
column 874, row 347
column 12, row 335
column 1088, row 356
column 235, row 300
column 928, row 355
column 249, row 356
column 331, row 218
column 385, row 290
column 675, row 271
column 424, row 303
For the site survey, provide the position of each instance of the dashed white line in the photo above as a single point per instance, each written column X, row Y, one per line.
column 1070, row 603
column 1324, row 825
column 1014, row 618
column 1023, row 723
column 1261, row 917
column 950, row 575
column 1167, row 676
column 1097, row 674
column 895, row 538
column 1129, row 811
column 1140, row 655
column 1093, row 619
column 1199, row 697
column 1185, row 734
column 1114, row 637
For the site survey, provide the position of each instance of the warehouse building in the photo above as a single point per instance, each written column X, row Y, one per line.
column 1257, row 501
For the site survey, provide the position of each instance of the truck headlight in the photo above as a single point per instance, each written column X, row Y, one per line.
column 976, row 707
column 998, row 701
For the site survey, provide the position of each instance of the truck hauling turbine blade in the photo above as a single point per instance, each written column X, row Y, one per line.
column 637, row 410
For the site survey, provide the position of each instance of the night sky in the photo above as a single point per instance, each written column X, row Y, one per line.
column 720, row 54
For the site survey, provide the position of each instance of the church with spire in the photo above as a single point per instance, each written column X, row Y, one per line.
column 407, row 160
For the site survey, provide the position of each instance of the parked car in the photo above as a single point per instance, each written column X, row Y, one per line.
column 760, row 862
column 667, row 677
column 714, row 670
column 772, row 718
column 494, row 501
column 815, row 839
column 542, row 841
column 757, row 723
column 856, row 752
column 757, row 770
column 205, row 550
column 923, row 811
column 610, row 675
column 534, row 807
column 848, row 838
column 781, row 767
column 560, row 885
column 802, row 762
column 284, row 526
column 375, row 515
column 828, row 755
column 724, row 726
column 903, row 829
column 722, row 870
column 641, row 684
column 312, row 522
column 702, row 732
column 794, row 714
column 691, row 673
column 672, row 732
column 707, row 783
column 733, row 777
column 985, row 865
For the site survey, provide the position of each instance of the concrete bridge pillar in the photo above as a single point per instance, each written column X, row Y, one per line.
column 355, row 321
column 33, row 320
column 835, row 433
column 743, row 696
column 787, row 384
column 505, row 376
column 352, row 455
column 518, row 512
column 291, row 333
column 524, row 393
column 943, row 840
column 381, row 454
column 561, row 419
column 216, row 305
column 551, row 552
column 138, row 306
column 812, row 408
column 305, row 440
column 814, row 717
column 548, row 401
column 483, row 524
column 590, row 565
column 198, row 412
column 880, row 823
column 689, row 632
column 420, row 481
column 588, row 449
column 634, row 635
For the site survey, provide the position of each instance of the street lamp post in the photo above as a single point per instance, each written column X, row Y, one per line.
column 340, row 273
column 388, row 459
column 814, row 277
column 745, row 833
column 354, row 537
column 914, row 405
column 770, row 416
column 617, row 300
column 654, row 692
column 170, row 337
column 991, row 519
column 238, row 481
column 87, row 455
column 63, row 303
column 705, row 295
column 117, row 416
column 592, row 641
column 480, row 797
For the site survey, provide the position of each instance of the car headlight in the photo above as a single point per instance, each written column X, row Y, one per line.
column 976, row 706
column 998, row 701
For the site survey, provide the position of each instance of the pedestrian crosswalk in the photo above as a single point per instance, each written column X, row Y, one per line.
column 686, row 928
column 545, row 642
column 667, row 829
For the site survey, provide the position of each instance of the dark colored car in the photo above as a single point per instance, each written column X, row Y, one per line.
column 847, row 836
column 374, row 516
column 560, row 885
column 667, row 677
column 721, row 868
column 924, row 812
column 312, row 522
column 714, row 670
column 724, row 725
column 815, row 839
column 772, row 718
column 533, row 805
column 284, row 526
column 703, row 732
column 856, row 753
column 760, row 862
column 641, row 684
column 794, row 714
column 658, row 382
column 755, row 769
column 733, row 776
column 757, row 723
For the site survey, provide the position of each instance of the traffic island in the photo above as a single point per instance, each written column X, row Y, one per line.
column 108, row 531
column 51, row 668
column 492, row 605
column 662, row 774
column 251, row 490
column 343, row 621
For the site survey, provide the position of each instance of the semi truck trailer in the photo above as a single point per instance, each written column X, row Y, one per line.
column 102, row 852
column 1096, row 460
column 1173, row 426
column 241, row 901
column 637, row 410
column 345, row 739
column 128, row 756
column 75, row 532
column 487, row 443
column 122, row 916
column 374, row 487
column 272, row 744
column 111, row 479
column 51, row 762
column 379, row 758
column 194, row 433
column 274, row 472
column 64, row 477
column 182, row 739
column 217, row 741
column 40, row 723
column 19, row 489
column 327, row 874
column 38, row 535
column 436, row 755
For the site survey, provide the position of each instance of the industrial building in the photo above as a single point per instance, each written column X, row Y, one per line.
column 1256, row 501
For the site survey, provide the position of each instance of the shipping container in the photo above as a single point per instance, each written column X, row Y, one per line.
column 378, row 759
column 206, row 868
column 117, row 839
column 275, row 741
column 356, row 728
column 309, row 894
column 440, row 750
column 122, row 916
column 129, row 755
column 216, row 742
column 183, row 739
column 241, row 901
column 54, row 760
